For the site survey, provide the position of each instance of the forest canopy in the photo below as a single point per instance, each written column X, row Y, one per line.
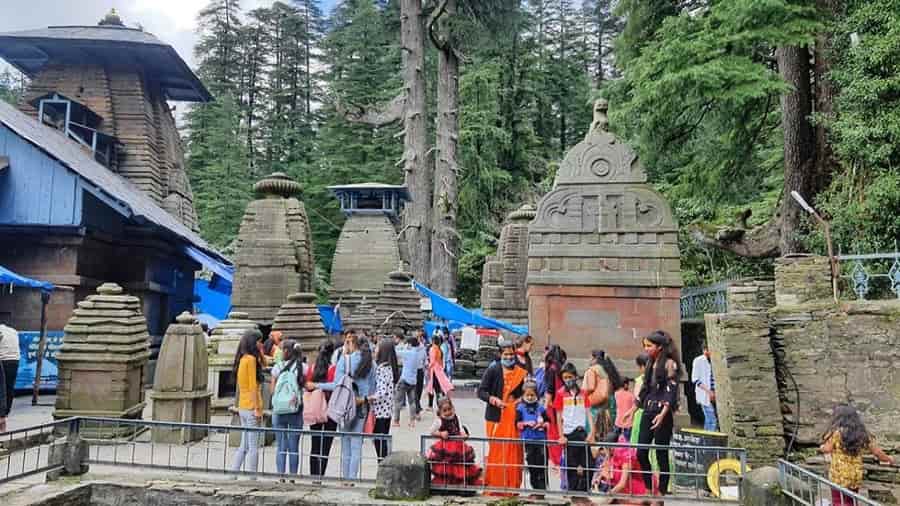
column 730, row 105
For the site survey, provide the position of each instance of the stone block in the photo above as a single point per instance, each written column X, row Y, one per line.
column 403, row 476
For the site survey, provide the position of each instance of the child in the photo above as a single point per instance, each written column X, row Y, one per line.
column 572, row 412
column 846, row 441
column 625, row 408
column 641, row 362
column 531, row 420
column 452, row 460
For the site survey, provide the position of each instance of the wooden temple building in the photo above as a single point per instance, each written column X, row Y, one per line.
column 93, row 186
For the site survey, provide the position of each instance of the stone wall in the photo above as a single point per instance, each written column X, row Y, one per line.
column 746, row 390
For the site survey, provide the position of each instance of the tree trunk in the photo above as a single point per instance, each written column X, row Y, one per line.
column 417, row 173
column 799, row 142
column 824, row 88
column 445, row 241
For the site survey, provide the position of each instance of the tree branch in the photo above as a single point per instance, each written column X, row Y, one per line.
column 381, row 115
column 432, row 21
column 759, row 242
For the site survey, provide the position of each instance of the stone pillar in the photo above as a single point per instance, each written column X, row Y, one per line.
column 603, row 260
column 299, row 319
column 751, row 295
column 222, row 347
column 179, row 389
column 274, row 250
column 103, row 358
column 802, row 278
column 503, row 289
column 399, row 305
column 746, row 391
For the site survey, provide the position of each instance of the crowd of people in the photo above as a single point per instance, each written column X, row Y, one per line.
column 593, row 428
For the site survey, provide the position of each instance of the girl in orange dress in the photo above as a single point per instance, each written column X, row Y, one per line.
column 501, row 388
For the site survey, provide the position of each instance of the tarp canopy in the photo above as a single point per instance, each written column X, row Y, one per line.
column 331, row 319
column 431, row 326
column 444, row 308
column 8, row 277
column 212, row 298
column 222, row 269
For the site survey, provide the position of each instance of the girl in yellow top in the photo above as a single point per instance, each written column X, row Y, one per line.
column 846, row 441
column 248, row 366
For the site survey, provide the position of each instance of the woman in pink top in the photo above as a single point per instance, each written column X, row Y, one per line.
column 623, row 472
column 626, row 405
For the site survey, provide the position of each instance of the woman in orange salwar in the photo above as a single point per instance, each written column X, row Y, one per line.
column 501, row 388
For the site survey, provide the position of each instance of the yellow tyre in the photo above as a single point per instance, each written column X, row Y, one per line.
column 715, row 472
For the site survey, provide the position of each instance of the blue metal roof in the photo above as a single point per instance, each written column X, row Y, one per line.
column 118, row 192
column 30, row 50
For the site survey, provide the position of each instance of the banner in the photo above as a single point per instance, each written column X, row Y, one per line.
column 28, row 346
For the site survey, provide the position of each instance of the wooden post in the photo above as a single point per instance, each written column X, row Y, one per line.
column 42, row 345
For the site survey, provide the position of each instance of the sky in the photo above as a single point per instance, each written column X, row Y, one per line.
column 172, row 21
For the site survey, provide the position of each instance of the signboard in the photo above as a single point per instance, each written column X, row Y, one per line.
column 28, row 346
column 470, row 338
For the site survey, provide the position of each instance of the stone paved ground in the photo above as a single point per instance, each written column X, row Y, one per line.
column 212, row 454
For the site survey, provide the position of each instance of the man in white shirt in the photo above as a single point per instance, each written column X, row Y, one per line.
column 9, row 359
column 704, row 389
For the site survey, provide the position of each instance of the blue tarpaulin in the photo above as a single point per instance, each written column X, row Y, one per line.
column 448, row 310
column 331, row 319
column 211, row 298
column 8, row 277
column 431, row 326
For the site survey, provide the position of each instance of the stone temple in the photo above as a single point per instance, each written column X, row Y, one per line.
column 367, row 249
column 603, row 261
column 503, row 288
column 399, row 306
column 274, row 250
column 298, row 319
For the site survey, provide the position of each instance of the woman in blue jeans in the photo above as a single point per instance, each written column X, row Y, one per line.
column 288, row 444
column 355, row 360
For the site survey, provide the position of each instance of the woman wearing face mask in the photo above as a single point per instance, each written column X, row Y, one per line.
column 501, row 388
column 659, row 400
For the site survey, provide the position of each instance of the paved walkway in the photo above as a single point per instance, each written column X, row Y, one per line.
column 213, row 453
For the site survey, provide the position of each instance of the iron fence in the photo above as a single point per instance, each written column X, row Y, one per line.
column 206, row 448
column 877, row 272
column 697, row 301
column 25, row 452
column 809, row 489
column 697, row 473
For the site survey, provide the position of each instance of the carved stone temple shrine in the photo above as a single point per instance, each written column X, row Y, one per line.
column 367, row 249
column 274, row 250
column 503, row 288
column 603, row 260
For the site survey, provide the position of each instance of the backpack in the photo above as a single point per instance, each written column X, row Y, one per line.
column 287, row 398
column 315, row 407
column 342, row 406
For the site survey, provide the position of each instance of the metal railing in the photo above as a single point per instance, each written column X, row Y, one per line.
column 809, row 489
column 205, row 448
column 864, row 271
column 463, row 465
column 697, row 301
column 26, row 451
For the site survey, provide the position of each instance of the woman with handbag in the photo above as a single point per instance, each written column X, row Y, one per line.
column 382, row 400
column 315, row 409
column 601, row 380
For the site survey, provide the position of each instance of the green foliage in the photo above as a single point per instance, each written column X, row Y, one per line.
column 12, row 84
column 864, row 198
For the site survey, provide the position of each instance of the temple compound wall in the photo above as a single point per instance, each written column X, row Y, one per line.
column 781, row 370
column 603, row 260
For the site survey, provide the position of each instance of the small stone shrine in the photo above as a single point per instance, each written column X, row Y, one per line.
column 603, row 260
column 222, row 347
column 103, row 359
column 179, row 388
column 363, row 318
column 503, row 289
column 399, row 305
column 274, row 250
column 299, row 319
column 367, row 249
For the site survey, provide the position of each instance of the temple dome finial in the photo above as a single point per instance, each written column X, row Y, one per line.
column 111, row 19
